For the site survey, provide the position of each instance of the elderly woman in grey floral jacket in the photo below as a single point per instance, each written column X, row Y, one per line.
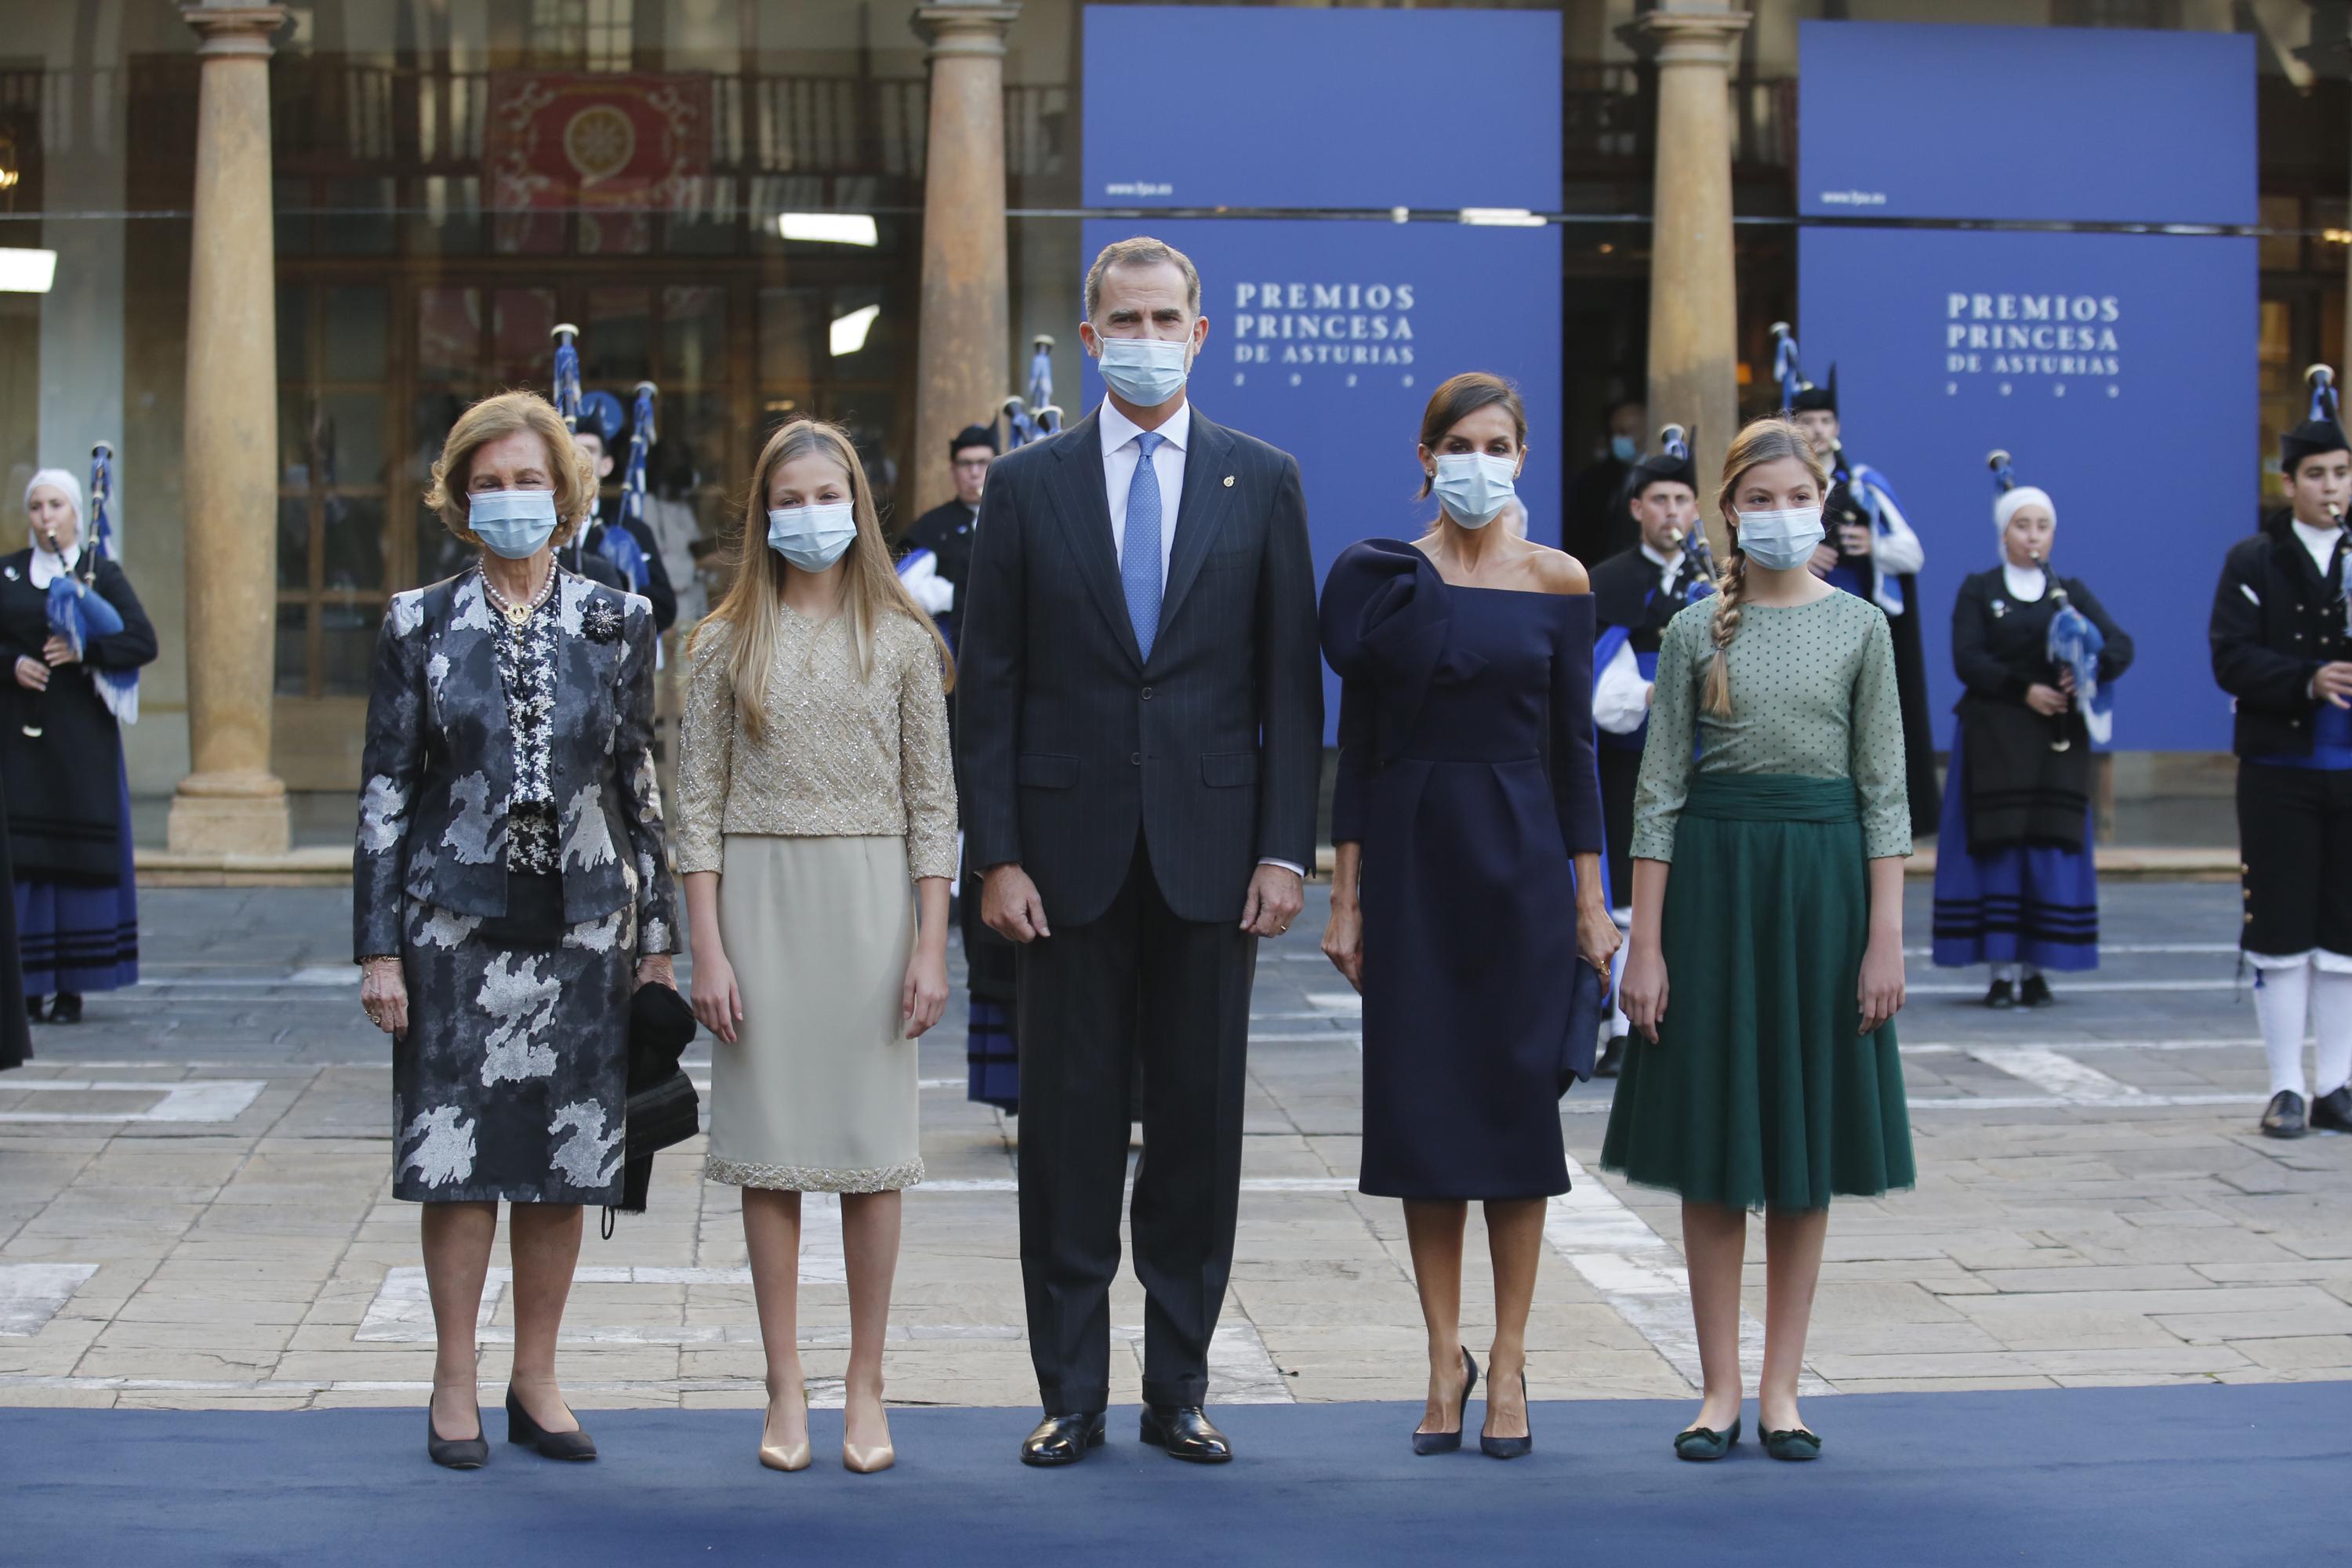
column 512, row 890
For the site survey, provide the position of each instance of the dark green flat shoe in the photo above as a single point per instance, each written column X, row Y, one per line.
column 1705, row 1442
column 1796, row 1443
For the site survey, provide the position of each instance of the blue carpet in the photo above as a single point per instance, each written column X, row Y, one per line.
column 2083, row 1478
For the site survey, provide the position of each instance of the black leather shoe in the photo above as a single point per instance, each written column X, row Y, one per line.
column 2034, row 992
column 457, row 1453
column 33, row 1007
column 1612, row 1058
column 2283, row 1117
column 1063, row 1439
column 67, row 1008
column 522, row 1429
column 2002, row 994
column 1185, row 1433
column 2333, row 1111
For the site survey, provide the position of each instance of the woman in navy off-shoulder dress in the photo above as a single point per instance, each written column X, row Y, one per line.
column 1467, row 823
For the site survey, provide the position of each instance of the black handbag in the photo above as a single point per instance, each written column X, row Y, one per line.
column 662, row 1108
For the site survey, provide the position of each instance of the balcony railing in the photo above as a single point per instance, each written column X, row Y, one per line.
column 329, row 118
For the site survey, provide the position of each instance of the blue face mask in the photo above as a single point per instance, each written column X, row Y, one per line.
column 1147, row 371
column 1781, row 541
column 512, row 523
column 1474, row 486
column 813, row 537
column 1623, row 449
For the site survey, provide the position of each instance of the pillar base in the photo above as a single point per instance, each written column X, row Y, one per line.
column 230, row 813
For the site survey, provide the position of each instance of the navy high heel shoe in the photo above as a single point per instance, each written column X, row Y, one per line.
column 1510, row 1447
column 1447, row 1442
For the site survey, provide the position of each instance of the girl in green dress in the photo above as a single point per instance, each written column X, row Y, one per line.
column 1766, row 1075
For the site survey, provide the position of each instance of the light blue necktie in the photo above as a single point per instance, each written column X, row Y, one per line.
column 1139, row 565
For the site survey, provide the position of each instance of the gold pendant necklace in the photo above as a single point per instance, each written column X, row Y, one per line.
column 519, row 616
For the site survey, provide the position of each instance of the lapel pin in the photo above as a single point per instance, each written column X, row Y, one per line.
column 1229, row 481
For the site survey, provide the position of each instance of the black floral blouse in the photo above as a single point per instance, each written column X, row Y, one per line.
column 527, row 667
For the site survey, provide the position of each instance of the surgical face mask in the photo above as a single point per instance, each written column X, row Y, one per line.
column 1474, row 486
column 1623, row 449
column 812, row 537
column 1781, row 541
column 1147, row 371
column 512, row 524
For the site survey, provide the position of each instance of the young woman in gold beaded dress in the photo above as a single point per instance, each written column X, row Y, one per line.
column 816, row 807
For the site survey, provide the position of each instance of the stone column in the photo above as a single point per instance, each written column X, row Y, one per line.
column 231, row 804
column 962, row 371
column 1694, row 313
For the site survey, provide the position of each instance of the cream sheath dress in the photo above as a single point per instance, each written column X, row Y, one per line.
column 817, row 828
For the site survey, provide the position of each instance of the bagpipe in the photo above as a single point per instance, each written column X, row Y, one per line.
column 599, row 414
column 2073, row 644
column 2327, row 406
column 77, row 613
column 1853, row 495
column 1023, row 420
column 1675, row 442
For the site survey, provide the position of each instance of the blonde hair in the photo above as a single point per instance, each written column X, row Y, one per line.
column 872, row 589
column 1764, row 440
column 495, row 418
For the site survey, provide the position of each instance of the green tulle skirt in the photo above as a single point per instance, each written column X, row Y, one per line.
column 1760, row 1092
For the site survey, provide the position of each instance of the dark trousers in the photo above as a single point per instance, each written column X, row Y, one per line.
column 2295, row 842
column 1620, row 771
column 1138, row 985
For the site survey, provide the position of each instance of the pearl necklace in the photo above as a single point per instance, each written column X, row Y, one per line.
column 519, row 616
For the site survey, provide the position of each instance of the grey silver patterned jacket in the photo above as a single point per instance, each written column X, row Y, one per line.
column 440, row 764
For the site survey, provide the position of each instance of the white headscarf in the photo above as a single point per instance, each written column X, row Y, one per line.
column 2009, row 503
column 62, row 480
column 45, row 565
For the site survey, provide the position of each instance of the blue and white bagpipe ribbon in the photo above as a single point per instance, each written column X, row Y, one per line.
column 2074, row 644
column 78, row 612
column 599, row 414
column 567, row 373
column 2327, row 406
column 1784, row 366
column 620, row 544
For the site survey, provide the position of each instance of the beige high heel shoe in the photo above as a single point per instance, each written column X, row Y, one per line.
column 864, row 1461
column 786, row 1455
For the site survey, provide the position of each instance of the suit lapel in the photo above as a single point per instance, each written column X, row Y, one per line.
column 1083, row 505
column 1198, row 514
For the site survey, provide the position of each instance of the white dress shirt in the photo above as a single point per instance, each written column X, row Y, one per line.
column 2320, row 542
column 1669, row 566
column 1120, row 454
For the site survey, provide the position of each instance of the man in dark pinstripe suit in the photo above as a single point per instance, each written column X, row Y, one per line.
column 1141, row 735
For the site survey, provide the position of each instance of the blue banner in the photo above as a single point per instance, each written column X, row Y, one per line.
column 2117, row 370
column 1322, row 109
column 1901, row 120
column 1327, row 335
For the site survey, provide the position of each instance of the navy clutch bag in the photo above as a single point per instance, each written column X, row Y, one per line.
column 1579, row 1043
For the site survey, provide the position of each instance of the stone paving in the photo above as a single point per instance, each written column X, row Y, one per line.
column 194, row 1207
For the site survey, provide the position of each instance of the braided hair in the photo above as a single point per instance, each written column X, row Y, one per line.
column 1763, row 440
